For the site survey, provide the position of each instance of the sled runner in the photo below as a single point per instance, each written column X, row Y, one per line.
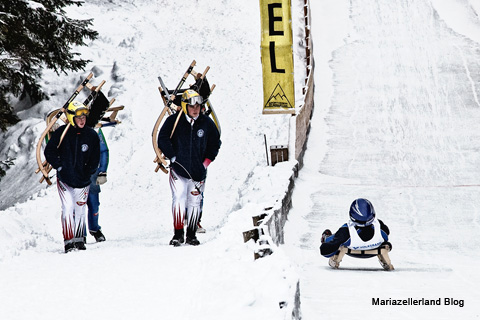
column 168, row 98
column 96, row 118
column 381, row 252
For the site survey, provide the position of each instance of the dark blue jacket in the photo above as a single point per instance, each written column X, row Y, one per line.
column 190, row 145
column 78, row 155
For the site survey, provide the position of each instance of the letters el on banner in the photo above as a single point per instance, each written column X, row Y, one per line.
column 277, row 56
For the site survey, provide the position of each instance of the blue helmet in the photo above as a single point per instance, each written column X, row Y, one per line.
column 362, row 212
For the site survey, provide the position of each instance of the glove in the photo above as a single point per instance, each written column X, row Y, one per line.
column 206, row 162
column 387, row 244
column 102, row 178
column 327, row 233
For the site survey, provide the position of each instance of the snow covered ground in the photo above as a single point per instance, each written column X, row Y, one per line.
column 396, row 121
column 135, row 273
column 395, row 112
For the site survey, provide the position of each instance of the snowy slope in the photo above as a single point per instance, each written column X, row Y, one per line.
column 414, row 165
column 135, row 274
column 396, row 122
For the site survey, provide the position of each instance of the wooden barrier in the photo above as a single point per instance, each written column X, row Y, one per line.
column 268, row 225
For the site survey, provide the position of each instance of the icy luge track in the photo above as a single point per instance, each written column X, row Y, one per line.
column 401, row 131
column 404, row 88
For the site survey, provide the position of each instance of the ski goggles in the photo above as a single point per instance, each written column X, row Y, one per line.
column 194, row 100
column 79, row 112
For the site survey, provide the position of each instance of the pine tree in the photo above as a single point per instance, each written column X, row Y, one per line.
column 35, row 35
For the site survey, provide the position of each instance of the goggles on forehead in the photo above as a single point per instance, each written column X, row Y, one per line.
column 194, row 100
column 79, row 112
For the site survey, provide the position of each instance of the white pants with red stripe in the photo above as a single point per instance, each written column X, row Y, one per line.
column 74, row 206
column 186, row 200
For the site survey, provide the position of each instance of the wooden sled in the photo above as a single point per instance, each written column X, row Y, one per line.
column 43, row 165
column 110, row 120
column 170, row 108
column 381, row 253
column 59, row 114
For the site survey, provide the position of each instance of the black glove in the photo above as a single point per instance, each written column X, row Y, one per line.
column 101, row 178
column 327, row 233
column 386, row 243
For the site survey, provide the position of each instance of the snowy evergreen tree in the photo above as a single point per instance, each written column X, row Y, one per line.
column 36, row 35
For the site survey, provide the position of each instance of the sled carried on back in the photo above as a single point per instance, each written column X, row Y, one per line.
column 169, row 97
column 97, row 118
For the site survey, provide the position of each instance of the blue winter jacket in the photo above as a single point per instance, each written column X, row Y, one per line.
column 103, row 165
column 77, row 157
column 190, row 145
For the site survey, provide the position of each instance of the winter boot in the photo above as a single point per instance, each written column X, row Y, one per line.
column 177, row 239
column 99, row 237
column 69, row 247
column 327, row 233
column 193, row 241
column 334, row 261
column 80, row 245
column 191, row 237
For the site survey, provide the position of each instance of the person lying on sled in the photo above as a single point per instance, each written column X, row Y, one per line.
column 362, row 232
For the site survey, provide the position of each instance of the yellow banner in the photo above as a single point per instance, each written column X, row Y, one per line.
column 277, row 56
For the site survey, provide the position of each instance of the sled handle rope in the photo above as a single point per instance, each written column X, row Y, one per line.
column 89, row 99
column 159, row 158
column 41, row 167
column 179, row 114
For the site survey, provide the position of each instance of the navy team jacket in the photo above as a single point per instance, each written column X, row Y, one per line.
column 190, row 145
column 78, row 156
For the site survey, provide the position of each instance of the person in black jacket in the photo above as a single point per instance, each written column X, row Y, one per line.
column 194, row 144
column 363, row 232
column 75, row 158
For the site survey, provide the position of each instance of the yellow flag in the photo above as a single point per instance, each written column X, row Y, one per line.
column 277, row 56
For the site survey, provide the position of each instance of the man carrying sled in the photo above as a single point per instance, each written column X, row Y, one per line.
column 363, row 236
column 76, row 159
column 191, row 145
